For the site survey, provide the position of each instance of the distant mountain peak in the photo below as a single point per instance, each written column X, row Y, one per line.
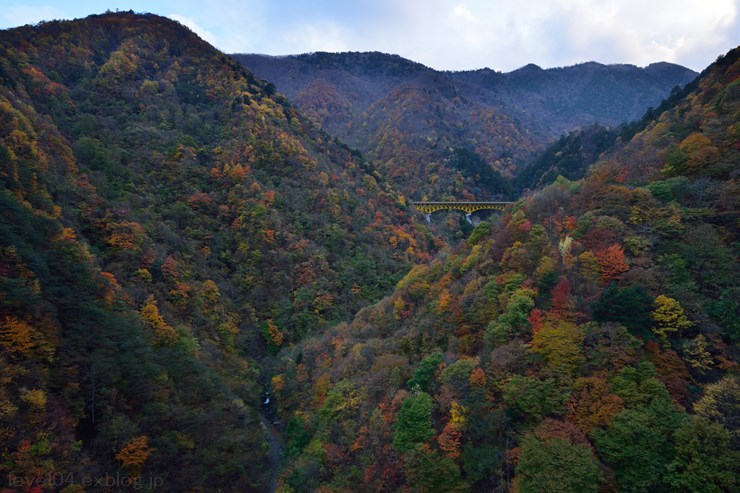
column 388, row 106
column 530, row 67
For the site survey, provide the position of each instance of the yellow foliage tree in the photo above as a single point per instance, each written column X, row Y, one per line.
column 278, row 382
column 560, row 343
column 35, row 398
column 398, row 308
column 699, row 150
column 228, row 331
column 164, row 335
column 210, row 293
column 457, row 415
column 589, row 270
column 565, row 247
column 697, row 355
column 668, row 317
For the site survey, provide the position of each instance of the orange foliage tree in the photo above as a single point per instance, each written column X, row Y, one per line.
column 592, row 404
column 449, row 439
column 15, row 336
column 134, row 455
column 612, row 262
column 272, row 334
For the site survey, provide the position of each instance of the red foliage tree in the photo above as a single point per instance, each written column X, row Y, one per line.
column 535, row 319
column 561, row 301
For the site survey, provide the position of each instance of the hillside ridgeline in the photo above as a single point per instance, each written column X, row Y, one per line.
column 415, row 121
column 167, row 223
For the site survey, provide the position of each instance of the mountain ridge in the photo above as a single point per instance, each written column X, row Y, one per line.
column 503, row 117
column 168, row 224
column 185, row 257
column 561, row 341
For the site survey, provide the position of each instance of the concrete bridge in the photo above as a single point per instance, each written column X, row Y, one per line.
column 467, row 207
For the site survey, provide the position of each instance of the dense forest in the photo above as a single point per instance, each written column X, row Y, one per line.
column 167, row 223
column 586, row 341
column 203, row 290
column 415, row 121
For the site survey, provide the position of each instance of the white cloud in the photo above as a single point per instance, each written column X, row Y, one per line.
column 20, row 15
column 454, row 34
column 324, row 36
column 205, row 34
column 506, row 34
column 642, row 32
column 461, row 11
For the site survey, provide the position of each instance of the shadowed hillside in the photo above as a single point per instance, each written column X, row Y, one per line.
column 413, row 120
column 168, row 222
column 586, row 342
column 203, row 290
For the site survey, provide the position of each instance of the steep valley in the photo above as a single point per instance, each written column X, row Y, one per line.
column 205, row 287
column 415, row 121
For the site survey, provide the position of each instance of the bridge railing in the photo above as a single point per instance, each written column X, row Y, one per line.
column 428, row 207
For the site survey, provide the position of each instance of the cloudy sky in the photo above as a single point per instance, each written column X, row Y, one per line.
column 443, row 34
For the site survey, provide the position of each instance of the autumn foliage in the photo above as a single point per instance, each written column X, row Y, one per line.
column 135, row 454
column 198, row 283
column 162, row 334
column 612, row 262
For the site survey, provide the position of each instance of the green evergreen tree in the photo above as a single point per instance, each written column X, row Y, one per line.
column 630, row 307
column 414, row 422
column 705, row 460
column 556, row 466
column 638, row 445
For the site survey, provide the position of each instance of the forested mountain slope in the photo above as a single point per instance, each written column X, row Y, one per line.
column 414, row 121
column 172, row 230
column 569, row 157
column 579, row 95
column 167, row 222
column 585, row 342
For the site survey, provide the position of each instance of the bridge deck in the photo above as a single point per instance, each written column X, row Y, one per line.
column 428, row 207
